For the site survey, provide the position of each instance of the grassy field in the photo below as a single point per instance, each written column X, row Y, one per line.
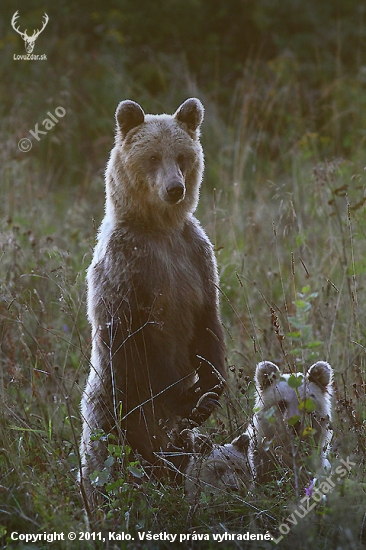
column 284, row 205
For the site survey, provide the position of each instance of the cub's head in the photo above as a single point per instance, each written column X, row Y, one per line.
column 219, row 468
column 159, row 157
column 293, row 405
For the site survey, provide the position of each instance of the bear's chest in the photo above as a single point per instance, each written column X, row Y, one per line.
column 168, row 276
column 163, row 276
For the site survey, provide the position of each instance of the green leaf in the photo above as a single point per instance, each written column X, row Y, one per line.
column 115, row 450
column 109, row 462
column 296, row 323
column 127, row 450
column 313, row 344
column 295, row 381
column 296, row 335
column 204, row 498
column 115, row 485
column 301, row 304
column 97, row 435
column 293, row 420
column 300, row 239
column 295, row 351
column 99, row 478
column 308, row 405
column 136, row 472
column 308, row 432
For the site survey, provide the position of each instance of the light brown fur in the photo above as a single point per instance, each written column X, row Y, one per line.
column 218, row 468
column 289, row 426
column 157, row 341
column 283, row 418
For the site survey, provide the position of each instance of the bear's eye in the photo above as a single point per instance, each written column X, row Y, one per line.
column 282, row 406
column 181, row 161
column 154, row 159
column 220, row 468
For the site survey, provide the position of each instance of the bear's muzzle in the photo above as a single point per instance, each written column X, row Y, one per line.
column 175, row 192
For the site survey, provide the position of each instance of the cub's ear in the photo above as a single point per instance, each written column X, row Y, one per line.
column 266, row 374
column 321, row 373
column 128, row 115
column 195, row 442
column 241, row 443
column 190, row 115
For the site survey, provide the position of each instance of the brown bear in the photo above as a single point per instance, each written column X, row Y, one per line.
column 292, row 418
column 157, row 341
column 217, row 468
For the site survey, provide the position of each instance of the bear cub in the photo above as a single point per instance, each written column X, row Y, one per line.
column 217, row 468
column 292, row 417
column 292, row 420
column 157, row 360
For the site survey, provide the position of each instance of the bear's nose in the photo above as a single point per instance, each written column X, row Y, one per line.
column 175, row 192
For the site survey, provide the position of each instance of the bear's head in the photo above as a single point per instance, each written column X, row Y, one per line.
column 158, row 159
column 218, row 468
column 292, row 407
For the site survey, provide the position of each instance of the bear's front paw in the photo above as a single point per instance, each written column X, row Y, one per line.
column 205, row 405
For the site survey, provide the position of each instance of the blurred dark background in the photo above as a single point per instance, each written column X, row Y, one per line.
column 274, row 75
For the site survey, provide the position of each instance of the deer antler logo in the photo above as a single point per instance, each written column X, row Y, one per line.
column 28, row 40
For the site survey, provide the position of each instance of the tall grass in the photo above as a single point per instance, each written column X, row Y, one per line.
column 289, row 230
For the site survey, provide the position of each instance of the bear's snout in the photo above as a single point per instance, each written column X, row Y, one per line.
column 175, row 191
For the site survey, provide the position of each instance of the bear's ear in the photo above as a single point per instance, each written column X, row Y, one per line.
column 321, row 373
column 190, row 115
column 241, row 442
column 195, row 442
column 129, row 115
column 266, row 374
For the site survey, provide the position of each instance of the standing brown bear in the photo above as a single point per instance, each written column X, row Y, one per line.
column 157, row 341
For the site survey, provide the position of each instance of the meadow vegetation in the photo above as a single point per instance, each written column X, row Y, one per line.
column 283, row 200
